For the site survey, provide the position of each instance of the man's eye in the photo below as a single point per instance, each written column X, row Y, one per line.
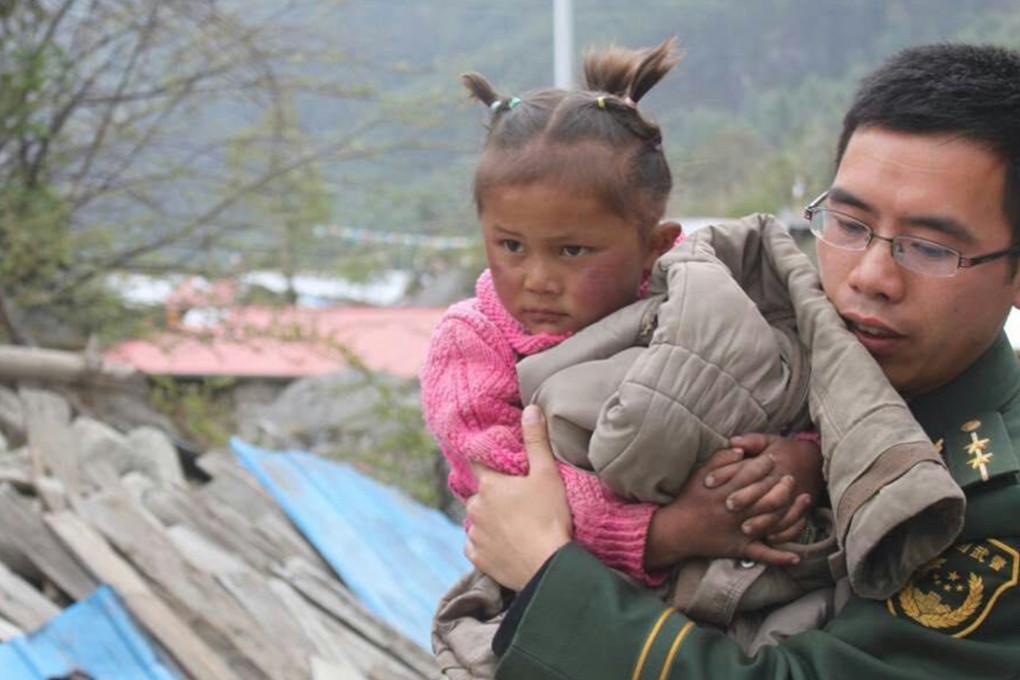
column 849, row 227
column 575, row 251
column 511, row 246
column 926, row 250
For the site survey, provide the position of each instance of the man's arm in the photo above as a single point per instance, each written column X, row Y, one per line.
column 583, row 622
column 577, row 619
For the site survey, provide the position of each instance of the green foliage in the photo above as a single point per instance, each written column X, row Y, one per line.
column 34, row 240
column 396, row 447
column 292, row 201
column 201, row 408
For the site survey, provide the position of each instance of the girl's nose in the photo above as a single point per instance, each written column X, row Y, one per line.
column 542, row 278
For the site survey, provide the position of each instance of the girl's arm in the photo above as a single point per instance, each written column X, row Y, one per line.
column 470, row 398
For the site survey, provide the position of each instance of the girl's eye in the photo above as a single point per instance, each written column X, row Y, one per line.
column 575, row 251
column 511, row 246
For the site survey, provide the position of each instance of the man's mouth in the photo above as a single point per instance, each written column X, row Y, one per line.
column 878, row 338
column 869, row 329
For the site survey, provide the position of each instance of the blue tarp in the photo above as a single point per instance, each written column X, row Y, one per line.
column 396, row 555
column 95, row 635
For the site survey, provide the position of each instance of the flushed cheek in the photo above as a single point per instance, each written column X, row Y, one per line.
column 507, row 281
column 601, row 288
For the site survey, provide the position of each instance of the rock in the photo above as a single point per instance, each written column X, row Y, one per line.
column 100, row 445
column 12, row 419
column 156, row 447
column 325, row 413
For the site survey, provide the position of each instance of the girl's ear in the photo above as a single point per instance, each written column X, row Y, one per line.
column 663, row 235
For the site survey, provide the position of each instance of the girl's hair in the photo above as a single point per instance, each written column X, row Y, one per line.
column 594, row 139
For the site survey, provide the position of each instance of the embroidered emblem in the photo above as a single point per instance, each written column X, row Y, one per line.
column 956, row 591
column 939, row 445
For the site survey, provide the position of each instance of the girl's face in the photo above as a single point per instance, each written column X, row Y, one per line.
column 561, row 260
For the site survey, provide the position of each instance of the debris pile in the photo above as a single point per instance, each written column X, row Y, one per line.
column 211, row 568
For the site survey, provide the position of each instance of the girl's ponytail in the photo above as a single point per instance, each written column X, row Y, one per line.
column 480, row 88
column 629, row 74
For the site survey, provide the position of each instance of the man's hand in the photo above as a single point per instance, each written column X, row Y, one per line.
column 518, row 522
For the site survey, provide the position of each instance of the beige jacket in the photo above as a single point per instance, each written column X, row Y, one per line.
column 740, row 337
column 724, row 353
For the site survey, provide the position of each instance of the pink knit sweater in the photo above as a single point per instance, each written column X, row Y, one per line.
column 472, row 404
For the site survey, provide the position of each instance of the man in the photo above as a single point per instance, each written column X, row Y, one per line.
column 918, row 252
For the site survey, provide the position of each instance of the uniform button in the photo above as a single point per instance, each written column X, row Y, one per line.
column 748, row 564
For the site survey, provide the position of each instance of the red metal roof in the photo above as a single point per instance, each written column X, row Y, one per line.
column 288, row 342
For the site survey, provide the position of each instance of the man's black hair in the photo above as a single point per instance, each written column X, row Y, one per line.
column 968, row 90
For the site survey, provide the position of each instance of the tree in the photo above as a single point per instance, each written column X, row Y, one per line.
column 116, row 118
column 292, row 204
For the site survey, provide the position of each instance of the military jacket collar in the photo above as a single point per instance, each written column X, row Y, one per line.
column 974, row 422
column 992, row 383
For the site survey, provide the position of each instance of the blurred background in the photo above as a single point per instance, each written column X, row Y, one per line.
column 167, row 163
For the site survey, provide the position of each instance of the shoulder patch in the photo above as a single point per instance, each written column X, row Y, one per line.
column 979, row 450
column 956, row 591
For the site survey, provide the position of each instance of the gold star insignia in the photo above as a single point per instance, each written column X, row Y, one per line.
column 980, row 460
column 976, row 445
column 954, row 576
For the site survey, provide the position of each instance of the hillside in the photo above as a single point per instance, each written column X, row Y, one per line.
column 754, row 105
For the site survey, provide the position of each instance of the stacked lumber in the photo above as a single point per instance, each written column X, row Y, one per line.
column 212, row 570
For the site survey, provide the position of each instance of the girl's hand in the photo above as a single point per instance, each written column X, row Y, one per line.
column 800, row 458
column 725, row 509
column 518, row 522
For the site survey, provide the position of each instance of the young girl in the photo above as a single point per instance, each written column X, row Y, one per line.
column 570, row 191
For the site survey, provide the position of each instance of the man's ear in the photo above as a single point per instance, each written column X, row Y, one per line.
column 663, row 235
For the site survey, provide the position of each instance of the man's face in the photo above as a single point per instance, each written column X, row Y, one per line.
column 922, row 330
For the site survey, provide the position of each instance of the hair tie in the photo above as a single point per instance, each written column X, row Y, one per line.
column 601, row 101
column 630, row 102
column 513, row 101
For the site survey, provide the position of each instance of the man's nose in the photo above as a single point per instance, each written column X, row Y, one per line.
column 876, row 273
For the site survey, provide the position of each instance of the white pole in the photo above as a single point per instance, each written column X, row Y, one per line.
column 563, row 43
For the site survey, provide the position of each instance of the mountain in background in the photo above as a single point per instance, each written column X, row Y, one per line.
column 750, row 116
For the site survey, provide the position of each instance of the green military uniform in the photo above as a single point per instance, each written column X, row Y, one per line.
column 958, row 617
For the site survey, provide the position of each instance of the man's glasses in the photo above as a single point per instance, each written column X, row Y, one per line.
column 840, row 230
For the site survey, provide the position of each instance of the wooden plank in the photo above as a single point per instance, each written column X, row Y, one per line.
column 332, row 670
column 327, row 593
column 236, row 488
column 325, row 642
column 250, row 590
column 22, row 526
column 176, row 636
column 21, row 604
column 338, row 645
column 221, row 525
column 144, row 542
column 232, row 484
column 50, row 439
column 36, row 363
column 8, row 630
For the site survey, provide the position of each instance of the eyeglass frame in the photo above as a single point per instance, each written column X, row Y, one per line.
column 962, row 262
